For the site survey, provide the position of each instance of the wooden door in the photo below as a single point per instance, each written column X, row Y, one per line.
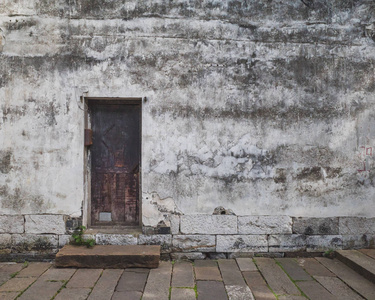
column 115, row 162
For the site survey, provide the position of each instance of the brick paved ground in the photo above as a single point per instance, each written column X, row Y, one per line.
column 242, row 278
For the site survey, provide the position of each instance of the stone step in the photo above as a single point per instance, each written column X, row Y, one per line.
column 360, row 262
column 109, row 256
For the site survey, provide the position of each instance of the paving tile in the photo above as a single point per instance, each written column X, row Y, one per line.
column 8, row 296
column 236, row 292
column 295, row 271
column 314, row 267
column 207, row 270
column 359, row 262
column 132, row 281
column 211, row 290
column 7, row 270
column 230, row 272
column 42, row 290
column 258, row 286
column 315, row 291
column 128, row 295
column 4, row 278
column 34, row 269
column 138, row 270
column 182, row 294
column 234, row 282
column 338, row 288
column 58, row 274
column 368, row 252
column 276, row 277
column 47, row 285
column 73, row 294
column 17, row 284
column 246, row 264
column 292, row 298
column 205, row 263
column 358, row 283
column 84, row 278
column 106, row 284
column 158, row 282
column 11, row 268
column 183, row 274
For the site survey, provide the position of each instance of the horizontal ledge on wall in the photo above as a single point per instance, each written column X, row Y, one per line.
column 115, row 98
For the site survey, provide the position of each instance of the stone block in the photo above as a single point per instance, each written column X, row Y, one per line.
column 34, row 242
column 116, row 239
column 188, row 256
column 287, row 243
column 208, row 224
column 269, row 254
column 241, row 243
column 5, row 241
column 240, row 255
column 11, row 224
column 163, row 240
column 264, row 225
column 316, row 226
column 109, row 257
column 64, row 239
column 175, row 224
column 320, row 243
column 72, row 224
column 45, row 224
column 193, row 243
column 163, row 229
column 356, row 226
column 358, row 241
column 89, row 236
column 216, row 255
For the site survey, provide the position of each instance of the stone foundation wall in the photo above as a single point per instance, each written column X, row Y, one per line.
column 197, row 236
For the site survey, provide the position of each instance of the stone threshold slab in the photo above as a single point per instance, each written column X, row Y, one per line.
column 109, row 256
column 359, row 262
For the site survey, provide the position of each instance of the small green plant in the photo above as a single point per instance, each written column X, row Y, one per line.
column 329, row 253
column 79, row 240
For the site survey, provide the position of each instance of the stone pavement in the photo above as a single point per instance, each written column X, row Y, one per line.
column 241, row 278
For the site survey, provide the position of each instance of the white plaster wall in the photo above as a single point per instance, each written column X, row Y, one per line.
column 264, row 109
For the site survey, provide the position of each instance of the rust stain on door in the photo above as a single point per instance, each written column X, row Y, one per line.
column 115, row 160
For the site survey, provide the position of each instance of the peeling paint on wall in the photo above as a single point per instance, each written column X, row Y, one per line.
column 156, row 210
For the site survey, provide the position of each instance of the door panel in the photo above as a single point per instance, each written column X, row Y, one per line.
column 115, row 159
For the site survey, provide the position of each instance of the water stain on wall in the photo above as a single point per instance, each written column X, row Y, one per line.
column 6, row 161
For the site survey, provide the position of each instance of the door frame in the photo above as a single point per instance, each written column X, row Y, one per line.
column 86, row 207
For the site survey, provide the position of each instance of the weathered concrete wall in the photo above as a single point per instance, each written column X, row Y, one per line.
column 263, row 107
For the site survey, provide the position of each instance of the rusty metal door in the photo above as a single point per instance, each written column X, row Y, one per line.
column 115, row 161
